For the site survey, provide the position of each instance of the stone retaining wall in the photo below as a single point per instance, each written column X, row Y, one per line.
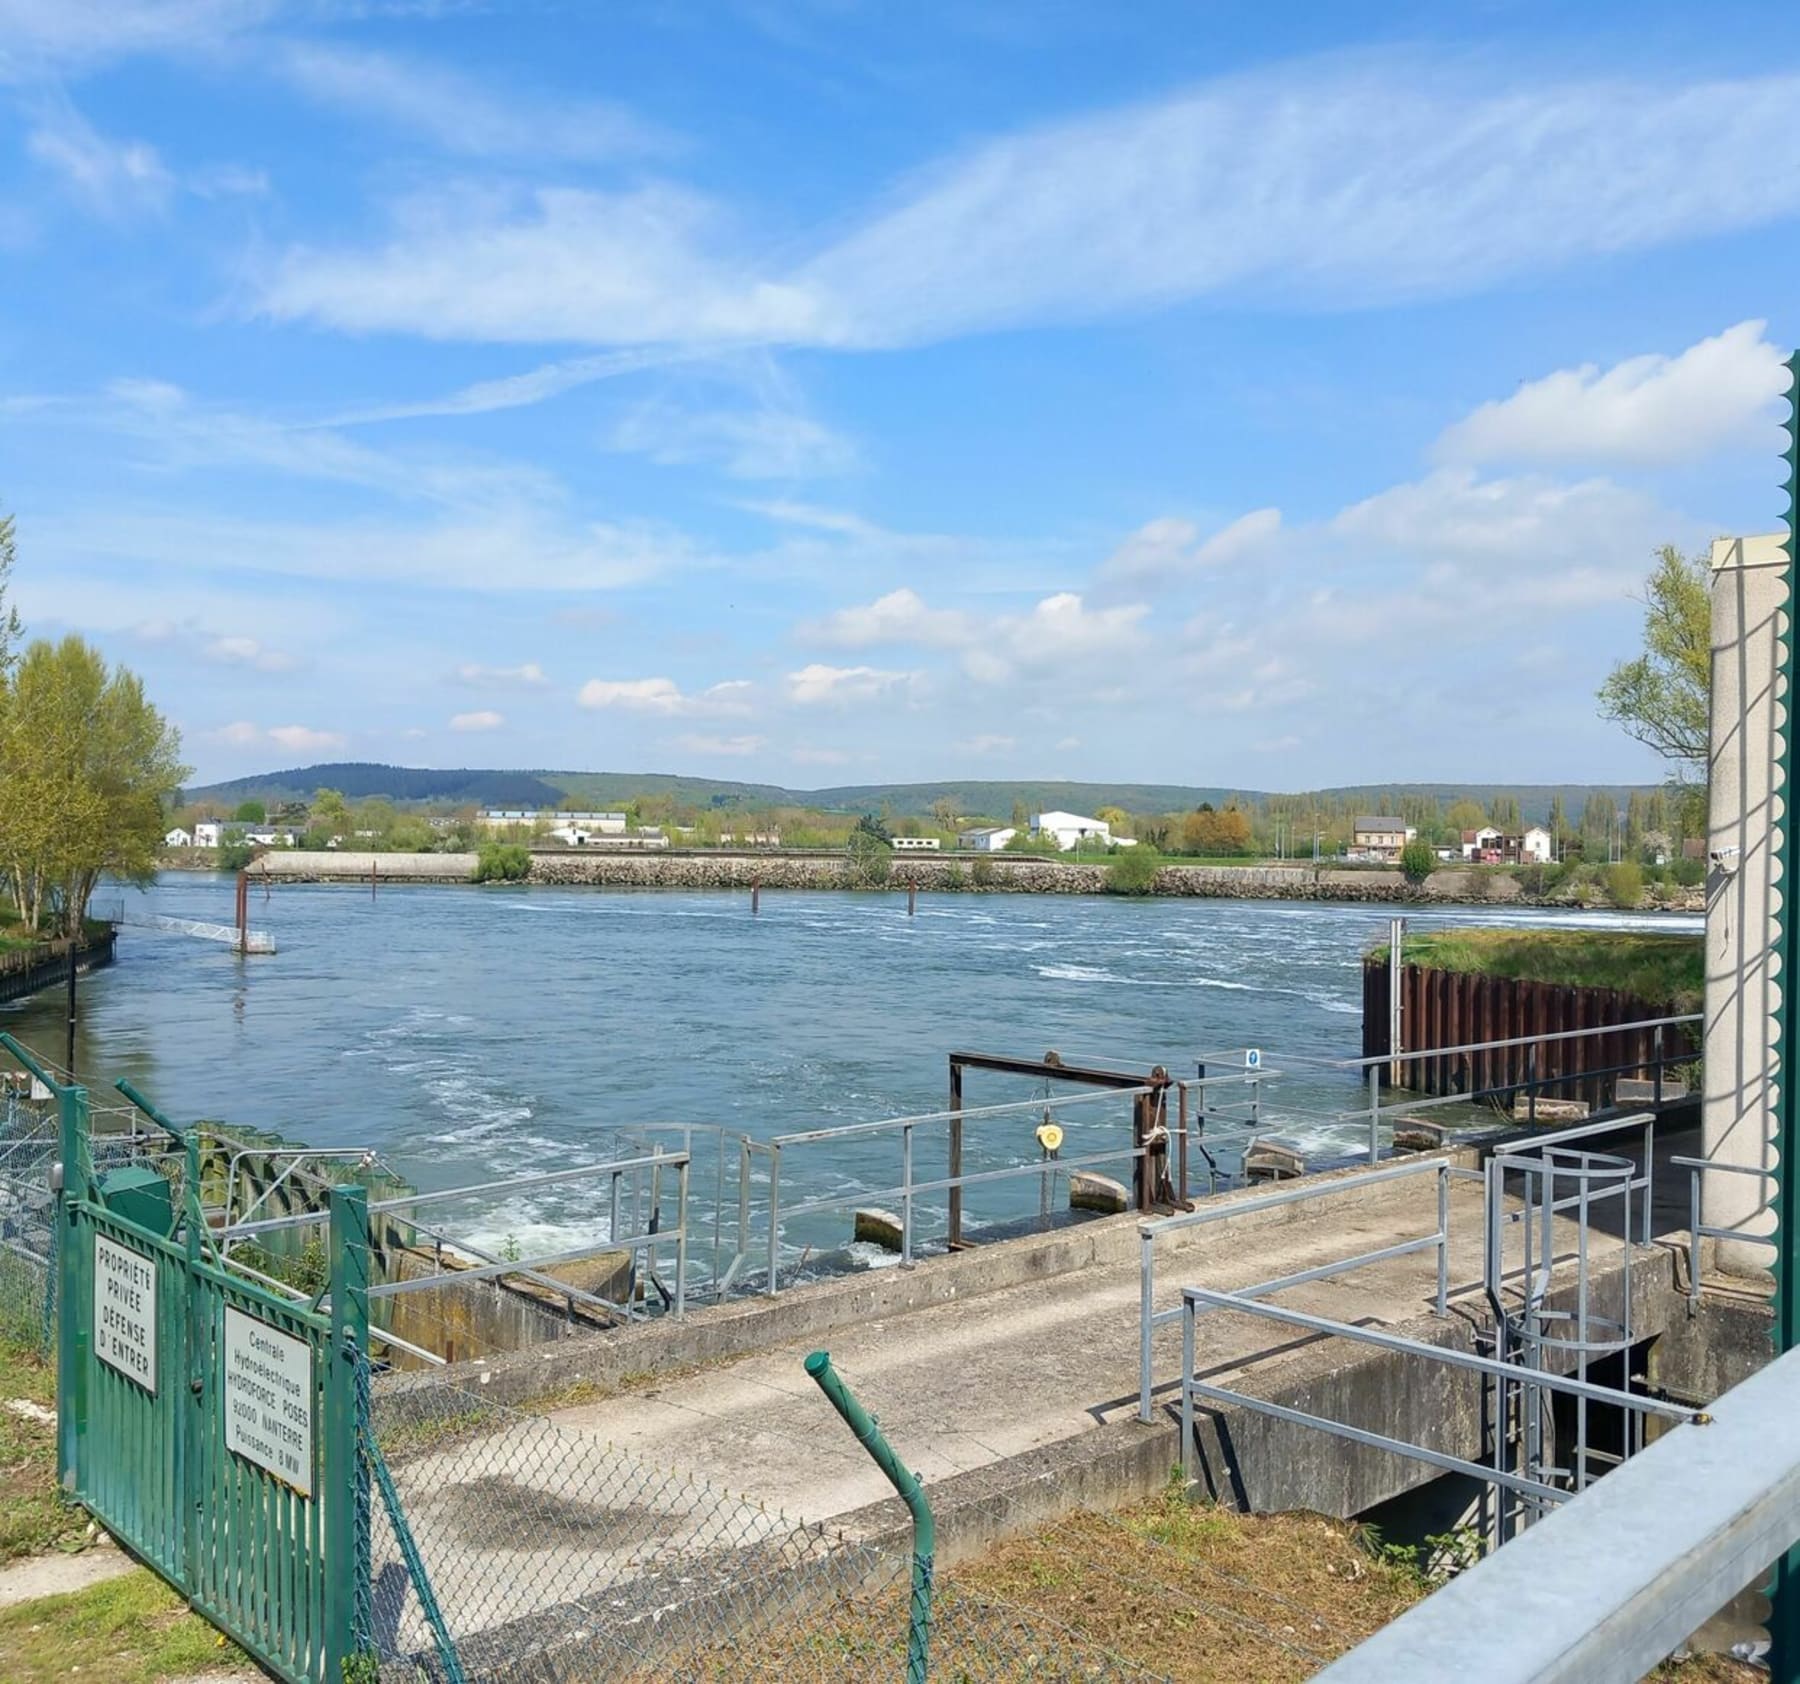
column 933, row 873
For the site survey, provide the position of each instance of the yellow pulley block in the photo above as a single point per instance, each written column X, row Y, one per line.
column 1050, row 1136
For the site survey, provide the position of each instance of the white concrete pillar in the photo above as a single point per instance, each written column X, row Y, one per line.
column 1741, row 989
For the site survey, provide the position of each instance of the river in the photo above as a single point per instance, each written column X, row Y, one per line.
column 467, row 1034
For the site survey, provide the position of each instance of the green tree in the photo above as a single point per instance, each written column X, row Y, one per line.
column 88, row 769
column 1417, row 860
column 251, row 812
column 1465, row 815
column 1504, row 815
column 1660, row 696
column 1020, row 817
column 330, row 812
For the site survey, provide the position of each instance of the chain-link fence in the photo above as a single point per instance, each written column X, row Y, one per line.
column 552, row 1557
column 28, row 1153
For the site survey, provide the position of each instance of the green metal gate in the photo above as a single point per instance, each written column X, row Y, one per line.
column 211, row 1425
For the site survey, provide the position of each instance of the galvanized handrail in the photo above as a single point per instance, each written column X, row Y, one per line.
column 1696, row 1167
column 907, row 1189
column 1197, row 1300
column 1150, row 1318
column 1513, row 1041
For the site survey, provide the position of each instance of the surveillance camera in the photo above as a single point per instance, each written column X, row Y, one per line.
column 1724, row 858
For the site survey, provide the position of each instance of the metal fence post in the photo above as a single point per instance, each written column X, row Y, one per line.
column 906, row 1197
column 1443, row 1250
column 774, row 1220
column 869, row 1436
column 74, row 1309
column 1374, row 1113
column 1187, row 1387
column 1146, row 1314
column 345, row 1481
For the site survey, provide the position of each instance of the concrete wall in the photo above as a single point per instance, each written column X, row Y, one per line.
column 321, row 865
column 1741, row 992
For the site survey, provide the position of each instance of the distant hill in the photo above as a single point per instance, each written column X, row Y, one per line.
column 361, row 780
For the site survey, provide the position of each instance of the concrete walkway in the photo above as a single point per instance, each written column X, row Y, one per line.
column 968, row 1383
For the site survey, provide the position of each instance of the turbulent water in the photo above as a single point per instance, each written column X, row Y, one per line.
column 467, row 1034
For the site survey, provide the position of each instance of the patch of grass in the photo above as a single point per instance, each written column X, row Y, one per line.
column 1186, row 1591
column 1661, row 970
column 130, row 1630
column 33, row 1515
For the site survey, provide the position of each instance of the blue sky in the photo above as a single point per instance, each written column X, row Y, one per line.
column 827, row 392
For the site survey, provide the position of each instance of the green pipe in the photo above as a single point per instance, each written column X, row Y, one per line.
column 912, row 1494
column 150, row 1111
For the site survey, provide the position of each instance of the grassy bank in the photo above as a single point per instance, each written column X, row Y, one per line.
column 1661, row 969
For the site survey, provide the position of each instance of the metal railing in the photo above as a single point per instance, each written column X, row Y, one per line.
column 1150, row 1318
column 1196, row 1300
column 1528, row 1333
column 908, row 1189
column 1697, row 1231
column 1374, row 1065
column 1608, row 1587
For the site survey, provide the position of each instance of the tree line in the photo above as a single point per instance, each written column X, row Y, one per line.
column 88, row 769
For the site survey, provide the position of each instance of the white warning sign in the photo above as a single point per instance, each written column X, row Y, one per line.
column 268, row 1395
column 125, row 1311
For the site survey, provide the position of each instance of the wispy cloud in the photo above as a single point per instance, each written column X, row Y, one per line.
column 746, row 443
column 114, row 179
column 459, row 114
column 42, row 36
column 483, row 719
column 1335, row 183
column 647, row 266
column 1649, row 409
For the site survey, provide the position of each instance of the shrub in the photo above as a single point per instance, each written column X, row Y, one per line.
column 1688, row 873
column 870, row 860
column 981, row 873
column 1417, row 860
column 1625, row 883
column 235, row 856
column 502, row 862
column 1133, row 871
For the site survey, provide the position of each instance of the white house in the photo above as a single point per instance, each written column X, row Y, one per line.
column 208, row 833
column 1536, row 846
column 266, row 838
column 1070, row 830
column 989, row 840
column 179, row 838
column 1476, row 843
